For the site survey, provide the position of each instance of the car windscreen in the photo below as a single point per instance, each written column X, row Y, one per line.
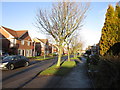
column 9, row 58
column 22, row 57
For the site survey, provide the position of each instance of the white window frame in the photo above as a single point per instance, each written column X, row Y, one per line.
column 15, row 41
column 28, row 43
column 20, row 51
column 30, row 52
column 22, row 42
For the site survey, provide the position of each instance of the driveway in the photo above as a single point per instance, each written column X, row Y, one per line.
column 77, row 78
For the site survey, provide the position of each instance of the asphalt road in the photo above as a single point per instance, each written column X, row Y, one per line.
column 19, row 77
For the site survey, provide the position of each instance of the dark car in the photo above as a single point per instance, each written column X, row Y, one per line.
column 10, row 62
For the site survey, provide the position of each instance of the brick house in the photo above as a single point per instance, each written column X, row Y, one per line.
column 4, row 44
column 54, row 48
column 43, row 45
column 36, row 47
column 50, row 48
column 93, row 49
column 19, row 41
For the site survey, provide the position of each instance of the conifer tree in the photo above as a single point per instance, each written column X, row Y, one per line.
column 117, row 19
column 111, row 30
column 108, row 32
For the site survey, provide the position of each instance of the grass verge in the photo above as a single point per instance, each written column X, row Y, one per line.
column 64, row 69
column 45, row 58
column 41, row 57
column 74, row 58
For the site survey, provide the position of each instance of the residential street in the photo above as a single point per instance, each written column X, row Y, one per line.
column 77, row 78
column 21, row 76
column 64, row 44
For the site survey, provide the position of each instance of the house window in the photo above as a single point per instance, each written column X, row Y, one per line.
column 27, row 53
column 30, row 52
column 22, row 42
column 28, row 43
column 19, row 52
column 15, row 41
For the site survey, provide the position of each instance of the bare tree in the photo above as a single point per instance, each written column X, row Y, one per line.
column 68, row 43
column 76, row 45
column 62, row 21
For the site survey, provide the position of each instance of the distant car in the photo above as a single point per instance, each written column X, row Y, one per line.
column 85, row 55
column 91, row 55
column 55, row 54
column 10, row 62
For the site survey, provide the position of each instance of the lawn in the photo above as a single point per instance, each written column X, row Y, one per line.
column 74, row 58
column 46, row 58
column 64, row 69
column 41, row 57
column 34, row 57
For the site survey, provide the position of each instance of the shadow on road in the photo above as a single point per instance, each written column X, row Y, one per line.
column 52, row 81
column 78, row 78
column 20, row 72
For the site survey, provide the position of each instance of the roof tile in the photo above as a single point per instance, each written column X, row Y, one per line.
column 15, row 33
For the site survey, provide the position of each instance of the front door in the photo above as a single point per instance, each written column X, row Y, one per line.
column 23, row 52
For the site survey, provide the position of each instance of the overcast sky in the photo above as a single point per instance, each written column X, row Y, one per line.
column 21, row 16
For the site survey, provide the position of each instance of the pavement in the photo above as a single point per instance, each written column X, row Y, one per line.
column 77, row 78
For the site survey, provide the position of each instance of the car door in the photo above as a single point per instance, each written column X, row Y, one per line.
column 22, row 60
column 17, row 61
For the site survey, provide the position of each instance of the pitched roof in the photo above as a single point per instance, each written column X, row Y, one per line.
column 44, row 40
column 55, row 45
column 36, row 40
column 15, row 33
column 40, row 40
column 20, row 33
column 12, row 32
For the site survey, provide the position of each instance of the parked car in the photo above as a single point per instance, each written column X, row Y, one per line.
column 5, row 54
column 10, row 62
column 1, row 57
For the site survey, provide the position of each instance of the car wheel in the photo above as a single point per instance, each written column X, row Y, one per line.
column 26, row 64
column 11, row 67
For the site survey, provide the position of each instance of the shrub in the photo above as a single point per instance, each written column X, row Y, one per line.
column 94, row 59
column 109, row 72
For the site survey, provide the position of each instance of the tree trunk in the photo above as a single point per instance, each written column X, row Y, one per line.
column 74, row 54
column 68, row 55
column 59, row 56
column 44, row 55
